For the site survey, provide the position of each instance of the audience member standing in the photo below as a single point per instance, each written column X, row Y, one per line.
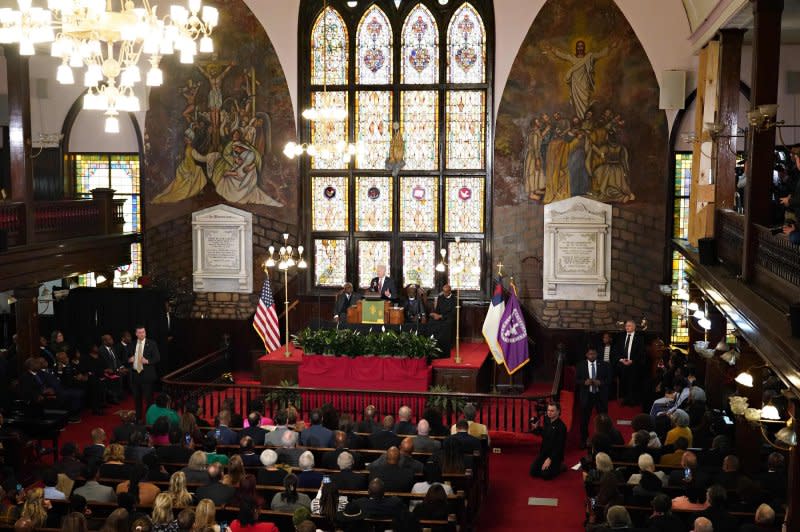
column 143, row 359
column 629, row 356
column 591, row 378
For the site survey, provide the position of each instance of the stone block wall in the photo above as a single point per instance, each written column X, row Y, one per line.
column 169, row 262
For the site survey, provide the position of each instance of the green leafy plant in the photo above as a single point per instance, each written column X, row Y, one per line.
column 347, row 342
column 445, row 402
column 285, row 395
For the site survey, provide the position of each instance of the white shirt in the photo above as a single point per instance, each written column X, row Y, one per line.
column 629, row 341
column 590, row 363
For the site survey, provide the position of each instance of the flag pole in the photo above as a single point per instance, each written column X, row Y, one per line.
column 494, row 369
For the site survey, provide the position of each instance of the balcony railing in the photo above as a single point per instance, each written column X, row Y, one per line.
column 58, row 220
column 730, row 228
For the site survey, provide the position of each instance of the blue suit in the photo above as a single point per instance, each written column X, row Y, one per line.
column 316, row 436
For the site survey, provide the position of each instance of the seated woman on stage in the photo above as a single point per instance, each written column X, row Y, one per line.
column 414, row 305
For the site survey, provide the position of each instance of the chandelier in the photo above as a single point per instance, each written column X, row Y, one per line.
column 325, row 113
column 108, row 44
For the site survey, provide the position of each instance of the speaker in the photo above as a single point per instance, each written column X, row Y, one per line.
column 673, row 89
column 708, row 251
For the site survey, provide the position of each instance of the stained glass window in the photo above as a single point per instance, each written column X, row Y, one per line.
column 373, row 128
column 374, row 41
column 371, row 254
column 420, row 50
column 419, row 204
column 468, row 256
column 329, row 202
column 330, row 262
column 419, row 122
column 329, row 49
column 422, row 66
column 326, row 135
column 464, row 205
column 466, row 113
column 466, row 47
column 419, row 261
column 374, row 203
column 120, row 172
column 683, row 184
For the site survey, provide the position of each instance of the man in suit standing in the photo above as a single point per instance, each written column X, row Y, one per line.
column 383, row 285
column 554, row 437
column 591, row 379
column 346, row 299
column 629, row 356
column 144, row 357
column 115, row 363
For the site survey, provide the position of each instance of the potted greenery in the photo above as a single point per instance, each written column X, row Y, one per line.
column 285, row 396
column 445, row 402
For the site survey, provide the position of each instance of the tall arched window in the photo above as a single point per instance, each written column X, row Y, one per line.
column 420, row 69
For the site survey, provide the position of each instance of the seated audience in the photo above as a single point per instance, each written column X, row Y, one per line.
column 764, row 521
column 407, row 459
column 162, row 518
column 270, row 475
column 433, row 415
column 210, row 447
column 434, row 505
column 196, row 471
column 385, row 436
column 730, row 477
column 236, row 419
column 646, row 464
column 717, row 510
column 289, row 499
column 394, row 477
column 774, row 479
column 247, row 520
column 144, row 493
column 69, row 464
column 247, row 452
column 122, row 432
column 189, row 427
column 340, row 443
column 223, row 433
column 617, row 518
column 477, row 430
column 376, row 505
column 50, row 480
column 117, row 521
column 235, row 471
column 177, row 490
column 92, row 490
column 215, row 489
column 662, row 519
column 35, row 507
column 186, row 520
column 346, row 479
column 74, row 522
column 645, row 422
column 602, row 465
column 347, row 425
column 113, row 463
column 177, row 452
column 94, row 452
column 205, row 516
column 274, row 437
column 288, row 453
column 432, row 474
column 680, row 428
column 308, row 478
column 155, row 471
column 138, row 446
column 247, row 491
column 469, row 443
column 451, row 457
column 328, row 501
column 675, row 457
column 404, row 425
column 689, row 476
column 639, row 446
column 160, row 434
column 162, row 407
column 368, row 424
column 316, row 435
column 423, row 443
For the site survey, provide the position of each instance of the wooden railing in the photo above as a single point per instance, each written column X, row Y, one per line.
column 730, row 237
column 12, row 221
column 777, row 268
column 200, row 382
column 58, row 220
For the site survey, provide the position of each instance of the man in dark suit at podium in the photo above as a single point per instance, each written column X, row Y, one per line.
column 383, row 285
column 346, row 299
column 144, row 357
column 629, row 355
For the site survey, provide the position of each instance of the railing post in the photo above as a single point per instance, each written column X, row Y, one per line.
column 19, row 138
column 104, row 198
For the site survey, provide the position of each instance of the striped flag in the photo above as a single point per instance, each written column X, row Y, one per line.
column 491, row 325
column 265, row 322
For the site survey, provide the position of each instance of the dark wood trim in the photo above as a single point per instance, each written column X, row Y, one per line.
column 766, row 61
column 309, row 11
column 19, row 126
column 728, row 113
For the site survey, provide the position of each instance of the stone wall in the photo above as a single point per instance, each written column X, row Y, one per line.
column 169, row 261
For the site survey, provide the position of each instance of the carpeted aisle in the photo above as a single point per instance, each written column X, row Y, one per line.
column 506, row 508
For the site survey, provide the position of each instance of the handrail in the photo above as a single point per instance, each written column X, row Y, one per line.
column 289, row 309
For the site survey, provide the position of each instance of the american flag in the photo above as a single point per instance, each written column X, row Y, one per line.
column 265, row 322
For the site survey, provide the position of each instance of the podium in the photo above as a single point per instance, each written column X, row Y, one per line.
column 391, row 315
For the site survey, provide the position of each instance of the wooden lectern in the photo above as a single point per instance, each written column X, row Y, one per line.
column 391, row 315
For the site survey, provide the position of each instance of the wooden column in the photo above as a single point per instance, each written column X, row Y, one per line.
column 766, row 58
column 19, row 135
column 793, row 489
column 727, row 115
column 27, row 313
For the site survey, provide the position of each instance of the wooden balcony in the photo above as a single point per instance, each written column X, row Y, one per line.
column 63, row 238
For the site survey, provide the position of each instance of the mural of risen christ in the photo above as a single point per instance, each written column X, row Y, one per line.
column 580, row 76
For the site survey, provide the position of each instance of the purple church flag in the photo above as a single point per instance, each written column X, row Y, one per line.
column 512, row 335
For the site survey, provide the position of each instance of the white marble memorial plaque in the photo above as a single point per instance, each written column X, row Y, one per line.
column 222, row 250
column 577, row 250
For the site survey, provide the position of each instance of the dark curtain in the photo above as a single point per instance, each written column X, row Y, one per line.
column 89, row 313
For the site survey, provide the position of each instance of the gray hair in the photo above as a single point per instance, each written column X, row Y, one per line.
column 306, row 461
column 680, row 418
column 423, row 427
column 289, row 439
column 404, row 413
column 268, row 458
column 646, row 462
column 345, row 461
column 603, row 462
column 617, row 517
